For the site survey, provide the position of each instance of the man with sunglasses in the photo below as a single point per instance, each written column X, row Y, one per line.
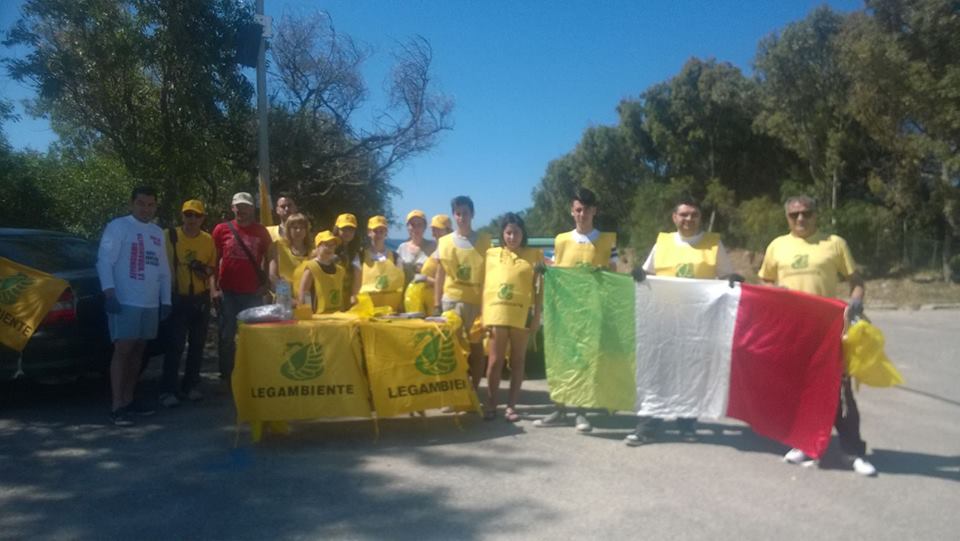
column 192, row 256
column 811, row 261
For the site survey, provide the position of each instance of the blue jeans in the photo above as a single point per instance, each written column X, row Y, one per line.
column 230, row 305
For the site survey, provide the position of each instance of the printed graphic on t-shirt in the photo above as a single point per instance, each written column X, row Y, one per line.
column 140, row 257
column 800, row 261
column 685, row 270
column 235, row 251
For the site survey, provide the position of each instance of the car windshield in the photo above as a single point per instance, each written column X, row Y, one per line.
column 50, row 254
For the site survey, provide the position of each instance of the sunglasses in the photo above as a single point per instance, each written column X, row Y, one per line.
column 191, row 215
column 804, row 213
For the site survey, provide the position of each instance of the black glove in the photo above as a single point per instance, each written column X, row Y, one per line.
column 111, row 305
column 855, row 309
column 734, row 277
column 639, row 274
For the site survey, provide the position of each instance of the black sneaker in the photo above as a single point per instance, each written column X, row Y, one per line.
column 140, row 409
column 120, row 418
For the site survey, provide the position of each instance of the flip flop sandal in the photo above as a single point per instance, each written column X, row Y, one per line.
column 511, row 415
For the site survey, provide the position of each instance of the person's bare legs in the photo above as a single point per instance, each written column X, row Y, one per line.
column 124, row 366
column 518, row 361
column 476, row 364
column 499, row 338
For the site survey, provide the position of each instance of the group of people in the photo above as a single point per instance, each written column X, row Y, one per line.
column 495, row 291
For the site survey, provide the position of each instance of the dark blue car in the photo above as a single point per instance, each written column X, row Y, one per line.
column 74, row 337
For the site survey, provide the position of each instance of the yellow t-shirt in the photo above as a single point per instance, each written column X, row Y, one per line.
column 568, row 252
column 812, row 265
column 463, row 266
column 686, row 261
column 199, row 248
column 508, row 289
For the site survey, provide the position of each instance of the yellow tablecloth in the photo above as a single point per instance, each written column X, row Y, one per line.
column 345, row 367
column 415, row 365
column 304, row 370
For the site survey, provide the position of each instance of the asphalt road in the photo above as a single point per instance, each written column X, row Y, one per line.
column 66, row 474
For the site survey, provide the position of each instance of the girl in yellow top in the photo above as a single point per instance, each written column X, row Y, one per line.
column 345, row 229
column 380, row 277
column 323, row 276
column 511, row 287
column 290, row 252
column 426, row 277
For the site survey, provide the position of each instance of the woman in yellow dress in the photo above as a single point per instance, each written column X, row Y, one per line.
column 512, row 304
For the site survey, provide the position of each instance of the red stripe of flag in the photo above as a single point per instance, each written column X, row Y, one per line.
column 784, row 376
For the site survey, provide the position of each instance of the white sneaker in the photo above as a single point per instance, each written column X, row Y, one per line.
column 795, row 456
column 582, row 424
column 862, row 467
column 169, row 400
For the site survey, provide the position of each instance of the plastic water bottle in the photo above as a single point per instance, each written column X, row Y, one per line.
column 283, row 294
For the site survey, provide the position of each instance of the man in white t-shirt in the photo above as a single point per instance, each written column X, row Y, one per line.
column 135, row 278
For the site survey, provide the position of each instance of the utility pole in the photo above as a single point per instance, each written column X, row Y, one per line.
column 263, row 146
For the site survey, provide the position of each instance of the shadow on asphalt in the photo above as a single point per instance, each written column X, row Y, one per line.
column 67, row 473
column 889, row 461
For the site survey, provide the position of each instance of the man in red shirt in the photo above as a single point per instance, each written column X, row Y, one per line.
column 240, row 281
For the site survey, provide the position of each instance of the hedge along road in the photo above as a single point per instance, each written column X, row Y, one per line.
column 64, row 473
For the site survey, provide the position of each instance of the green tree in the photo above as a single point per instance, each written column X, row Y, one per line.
column 152, row 82
column 803, row 96
column 904, row 57
column 320, row 151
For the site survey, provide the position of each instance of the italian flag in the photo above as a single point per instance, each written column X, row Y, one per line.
column 767, row 356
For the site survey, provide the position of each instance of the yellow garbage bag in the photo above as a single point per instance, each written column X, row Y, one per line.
column 864, row 358
column 418, row 297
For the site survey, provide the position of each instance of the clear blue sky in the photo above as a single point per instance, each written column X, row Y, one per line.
column 527, row 76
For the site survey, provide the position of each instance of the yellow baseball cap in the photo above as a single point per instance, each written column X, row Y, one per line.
column 377, row 221
column 193, row 205
column 416, row 214
column 346, row 220
column 442, row 221
column 325, row 236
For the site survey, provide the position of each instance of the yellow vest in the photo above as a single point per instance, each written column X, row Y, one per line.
column 327, row 288
column 429, row 267
column 464, row 269
column 290, row 267
column 199, row 248
column 687, row 261
column 570, row 253
column 383, row 281
column 508, row 286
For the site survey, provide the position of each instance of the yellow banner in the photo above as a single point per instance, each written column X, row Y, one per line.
column 305, row 370
column 416, row 365
column 266, row 207
column 26, row 295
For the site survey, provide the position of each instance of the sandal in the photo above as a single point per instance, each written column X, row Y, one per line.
column 511, row 415
column 489, row 415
